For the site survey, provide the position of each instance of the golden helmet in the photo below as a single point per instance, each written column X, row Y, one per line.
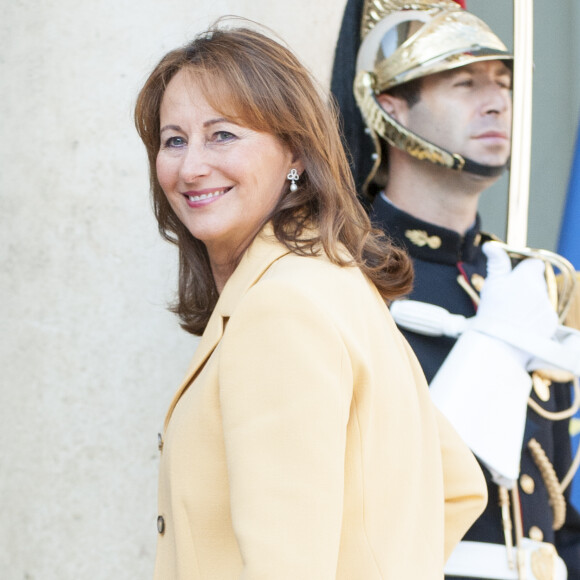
column 403, row 40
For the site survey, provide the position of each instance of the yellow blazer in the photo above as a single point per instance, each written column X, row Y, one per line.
column 303, row 444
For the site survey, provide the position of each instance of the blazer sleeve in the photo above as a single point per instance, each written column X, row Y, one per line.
column 285, row 389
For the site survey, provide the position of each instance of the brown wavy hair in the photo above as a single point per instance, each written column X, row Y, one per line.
column 258, row 83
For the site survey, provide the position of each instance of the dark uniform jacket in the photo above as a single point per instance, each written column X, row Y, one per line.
column 440, row 256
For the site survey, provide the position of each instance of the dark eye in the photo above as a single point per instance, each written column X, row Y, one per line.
column 173, row 142
column 464, row 83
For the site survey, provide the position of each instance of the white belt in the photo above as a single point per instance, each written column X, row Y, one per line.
column 481, row 560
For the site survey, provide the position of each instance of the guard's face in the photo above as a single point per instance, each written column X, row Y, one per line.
column 467, row 110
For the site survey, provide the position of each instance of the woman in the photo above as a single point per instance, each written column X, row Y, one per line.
column 302, row 443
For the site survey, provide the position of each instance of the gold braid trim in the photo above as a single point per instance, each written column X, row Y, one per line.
column 559, row 415
column 506, row 521
column 467, row 287
column 553, row 486
column 519, row 529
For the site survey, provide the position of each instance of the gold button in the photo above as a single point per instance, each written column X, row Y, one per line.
column 161, row 525
column 536, row 534
column 527, row 484
column 159, row 441
column 541, row 386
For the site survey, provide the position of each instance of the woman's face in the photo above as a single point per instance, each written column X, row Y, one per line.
column 220, row 178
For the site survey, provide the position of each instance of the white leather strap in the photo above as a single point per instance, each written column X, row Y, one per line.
column 489, row 561
column 562, row 351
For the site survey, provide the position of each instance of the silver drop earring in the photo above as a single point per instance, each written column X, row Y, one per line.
column 293, row 177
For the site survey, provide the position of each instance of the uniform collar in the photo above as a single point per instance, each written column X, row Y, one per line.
column 423, row 240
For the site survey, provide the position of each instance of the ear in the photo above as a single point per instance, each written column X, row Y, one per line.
column 297, row 164
column 396, row 107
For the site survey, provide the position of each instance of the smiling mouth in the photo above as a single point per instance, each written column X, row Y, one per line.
column 211, row 195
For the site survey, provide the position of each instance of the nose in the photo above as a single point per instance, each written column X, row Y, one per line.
column 195, row 163
column 496, row 99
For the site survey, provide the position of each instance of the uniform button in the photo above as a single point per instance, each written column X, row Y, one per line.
column 159, row 441
column 541, row 386
column 527, row 484
column 160, row 525
column 536, row 534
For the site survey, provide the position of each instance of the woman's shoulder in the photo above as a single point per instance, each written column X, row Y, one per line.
column 318, row 280
column 292, row 276
column 318, row 268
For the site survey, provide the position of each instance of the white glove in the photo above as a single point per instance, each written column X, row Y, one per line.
column 483, row 386
column 514, row 303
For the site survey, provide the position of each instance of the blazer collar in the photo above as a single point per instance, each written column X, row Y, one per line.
column 262, row 253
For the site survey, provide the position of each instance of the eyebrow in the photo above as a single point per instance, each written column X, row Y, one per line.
column 216, row 121
column 168, row 127
column 205, row 125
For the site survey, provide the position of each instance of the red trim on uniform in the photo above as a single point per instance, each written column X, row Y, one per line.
column 466, row 278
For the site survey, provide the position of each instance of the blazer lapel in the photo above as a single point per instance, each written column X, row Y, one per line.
column 263, row 252
column 205, row 347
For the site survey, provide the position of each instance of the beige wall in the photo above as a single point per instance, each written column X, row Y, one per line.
column 89, row 357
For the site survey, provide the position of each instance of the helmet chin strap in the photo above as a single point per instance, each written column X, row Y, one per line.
column 382, row 125
column 466, row 165
column 399, row 136
column 484, row 170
